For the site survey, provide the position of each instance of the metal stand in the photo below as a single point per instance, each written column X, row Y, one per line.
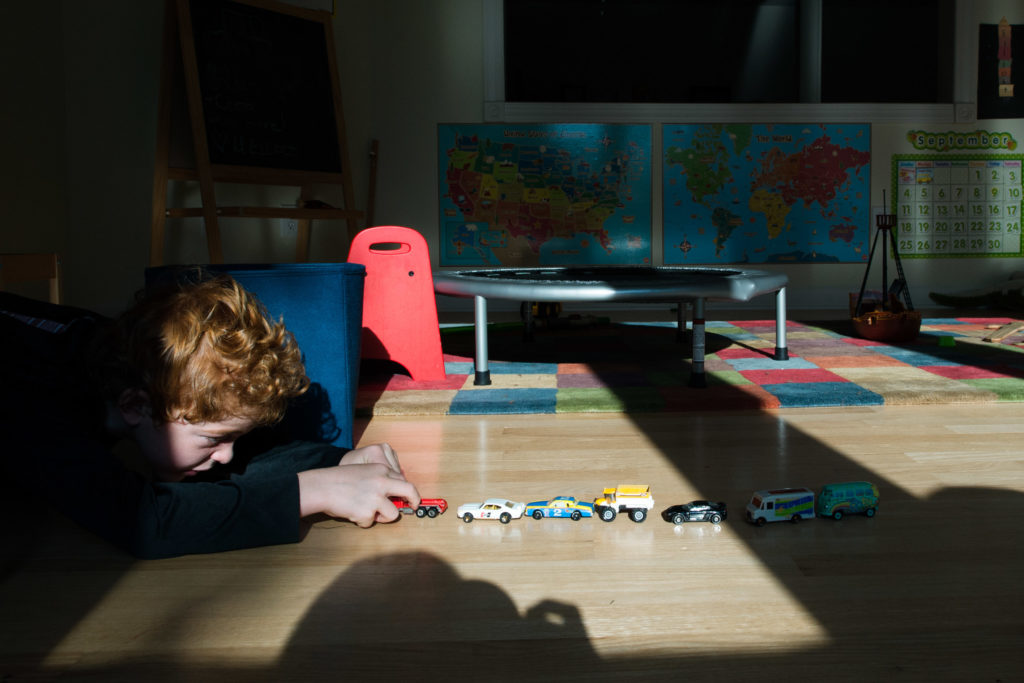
column 884, row 224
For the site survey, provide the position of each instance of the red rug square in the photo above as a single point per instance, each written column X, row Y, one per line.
column 969, row 371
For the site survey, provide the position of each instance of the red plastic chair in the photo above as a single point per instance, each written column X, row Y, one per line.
column 399, row 309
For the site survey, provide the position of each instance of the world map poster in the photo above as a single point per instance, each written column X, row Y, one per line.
column 763, row 193
column 544, row 195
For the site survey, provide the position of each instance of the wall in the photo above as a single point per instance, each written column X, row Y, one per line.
column 112, row 66
column 80, row 181
column 32, row 139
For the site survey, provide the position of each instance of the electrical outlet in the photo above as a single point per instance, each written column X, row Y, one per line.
column 289, row 227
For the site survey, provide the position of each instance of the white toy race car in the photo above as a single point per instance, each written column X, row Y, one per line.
column 493, row 508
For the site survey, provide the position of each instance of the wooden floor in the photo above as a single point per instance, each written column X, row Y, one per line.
column 929, row 590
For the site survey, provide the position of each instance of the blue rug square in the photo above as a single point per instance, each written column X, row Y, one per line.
column 499, row 367
column 942, row 321
column 823, row 394
column 459, row 367
column 766, row 363
column 920, row 358
column 740, row 336
column 503, row 401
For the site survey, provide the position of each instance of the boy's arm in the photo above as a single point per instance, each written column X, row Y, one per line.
column 150, row 520
column 256, row 508
column 262, row 506
column 359, row 489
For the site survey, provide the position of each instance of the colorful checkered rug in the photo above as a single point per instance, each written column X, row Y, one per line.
column 640, row 367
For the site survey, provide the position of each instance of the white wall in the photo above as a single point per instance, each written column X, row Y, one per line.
column 81, row 155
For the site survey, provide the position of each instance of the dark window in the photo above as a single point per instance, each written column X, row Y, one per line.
column 725, row 51
column 884, row 51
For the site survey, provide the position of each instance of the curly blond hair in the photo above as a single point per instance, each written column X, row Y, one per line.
column 207, row 350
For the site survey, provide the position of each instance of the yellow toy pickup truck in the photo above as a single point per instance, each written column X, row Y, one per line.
column 632, row 499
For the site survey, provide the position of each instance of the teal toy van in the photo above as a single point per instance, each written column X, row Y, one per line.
column 847, row 498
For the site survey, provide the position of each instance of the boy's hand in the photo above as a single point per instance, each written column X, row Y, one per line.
column 376, row 453
column 359, row 488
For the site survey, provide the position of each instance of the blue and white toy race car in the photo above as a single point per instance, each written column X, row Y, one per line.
column 561, row 506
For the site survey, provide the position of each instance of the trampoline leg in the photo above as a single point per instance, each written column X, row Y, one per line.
column 697, row 376
column 781, row 351
column 483, row 374
column 681, row 322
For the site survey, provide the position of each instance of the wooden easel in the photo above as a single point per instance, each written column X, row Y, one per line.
column 295, row 158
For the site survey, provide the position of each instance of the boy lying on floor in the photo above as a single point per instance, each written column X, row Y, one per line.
column 184, row 374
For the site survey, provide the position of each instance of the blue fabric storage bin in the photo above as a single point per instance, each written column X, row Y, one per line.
column 322, row 306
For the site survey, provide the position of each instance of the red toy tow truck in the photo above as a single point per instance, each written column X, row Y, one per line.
column 429, row 507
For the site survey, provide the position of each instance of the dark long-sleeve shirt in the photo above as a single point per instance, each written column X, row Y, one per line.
column 53, row 442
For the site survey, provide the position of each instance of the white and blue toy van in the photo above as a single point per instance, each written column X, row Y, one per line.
column 780, row 505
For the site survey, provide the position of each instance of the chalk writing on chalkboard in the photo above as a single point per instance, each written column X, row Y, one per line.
column 266, row 88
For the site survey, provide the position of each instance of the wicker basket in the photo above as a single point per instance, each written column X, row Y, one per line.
column 888, row 326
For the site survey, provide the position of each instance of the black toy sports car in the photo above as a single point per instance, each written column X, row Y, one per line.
column 697, row 511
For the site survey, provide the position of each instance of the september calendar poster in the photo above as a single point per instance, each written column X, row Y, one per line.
column 958, row 205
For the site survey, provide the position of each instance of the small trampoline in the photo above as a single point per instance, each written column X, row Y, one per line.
column 679, row 284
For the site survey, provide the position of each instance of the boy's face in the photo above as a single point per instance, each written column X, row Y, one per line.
column 180, row 449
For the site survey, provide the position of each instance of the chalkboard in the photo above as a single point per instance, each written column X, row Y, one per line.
column 249, row 94
column 266, row 87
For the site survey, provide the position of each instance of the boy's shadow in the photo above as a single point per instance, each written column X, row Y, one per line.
column 409, row 614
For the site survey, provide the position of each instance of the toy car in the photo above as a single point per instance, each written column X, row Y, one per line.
column 560, row 506
column 697, row 511
column 847, row 498
column 429, row 507
column 632, row 499
column 780, row 505
column 493, row 508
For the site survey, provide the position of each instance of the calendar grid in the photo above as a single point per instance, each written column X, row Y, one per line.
column 957, row 205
